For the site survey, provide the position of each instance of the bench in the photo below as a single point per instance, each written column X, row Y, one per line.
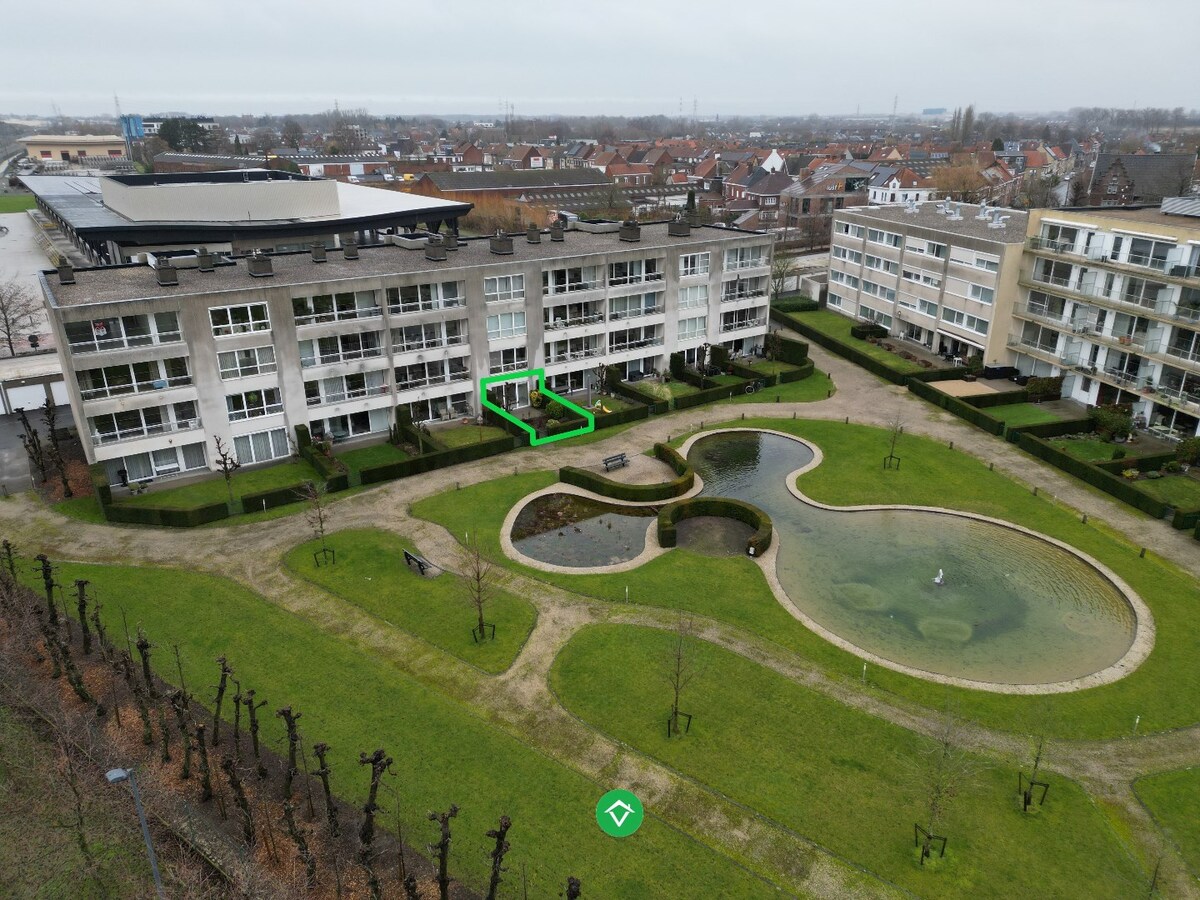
column 411, row 559
column 615, row 462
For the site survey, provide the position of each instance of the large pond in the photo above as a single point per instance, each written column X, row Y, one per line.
column 1012, row 608
column 568, row 530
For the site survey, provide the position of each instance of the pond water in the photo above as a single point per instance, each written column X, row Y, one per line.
column 1012, row 609
column 568, row 530
column 713, row 535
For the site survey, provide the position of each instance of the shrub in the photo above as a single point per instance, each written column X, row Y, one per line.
column 1112, row 421
column 1118, row 453
column 303, row 438
column 1154, row 474
column 1045, row 388
column 1173, row 466
column 677, row 365
column 554, row 410
column 719, row 357
column 537, row 399
column 1130, row 474
column 1188, row 451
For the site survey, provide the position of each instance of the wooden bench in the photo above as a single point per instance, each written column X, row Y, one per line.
column 421, row 563
column 615, row 462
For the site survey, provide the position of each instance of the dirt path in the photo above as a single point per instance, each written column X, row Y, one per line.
column 521, row 700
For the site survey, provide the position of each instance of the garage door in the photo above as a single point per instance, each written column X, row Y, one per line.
column 28, row 397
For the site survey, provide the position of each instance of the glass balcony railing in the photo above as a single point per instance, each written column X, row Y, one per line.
column 129, row 434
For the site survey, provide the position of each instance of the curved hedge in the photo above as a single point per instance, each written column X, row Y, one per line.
column 636, row 493
column 672, row 514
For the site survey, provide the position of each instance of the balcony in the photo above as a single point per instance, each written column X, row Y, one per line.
column 126, row 343
column 1189, row 400
column 343, row 396
column 574, row 287
column 634, row 313
column 574, row 355
column 754, row 262
column 1064, row 248
column 516, row 366
column 741, row 324
column 136, row 387
column 431, row 344
column 400, row 309
column 346, row 315
column 327, row 359
column 625, row 280
column 746, row 294
column 635, row 345
column 559, row 324
column 1045, row 315
column 130, row 434
column 1028, row 345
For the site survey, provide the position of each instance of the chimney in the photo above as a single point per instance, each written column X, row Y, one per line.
column 501, row 244
column 260, row 266
column 350, row 249
column 630, row 231
column 680, row 227
column 450, row 241
column 66, row 273
column 167, row 276
column 204, row 260
column 556, row 232
column 533, row 235
column 434, row 249
column 318, row 251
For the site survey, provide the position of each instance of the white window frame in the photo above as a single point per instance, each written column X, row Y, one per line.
column 503, row 288
column 264, row 363
column 691, row 264
column 230, row 327
column 498, row 330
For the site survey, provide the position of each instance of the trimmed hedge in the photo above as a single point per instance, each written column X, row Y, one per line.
column 629, row 392
column 491, row 417
column 793, row 352
column 1001, row 398
column 802, row 371
column 846, row 351
column 337, row 483
column 1051, row 429
column 1141, row 463
column 673, row 513
column 1093, row 475
column 636, row 493
column 958, row 407
column 1186, row 518
column 429, row 461
column 958, row 373
column 100, row 484
column 172, row 518
column 864, row 330
column 720, row 392
column 751, row 375
column 700, row 381
column 272, row 498
column 795, row 303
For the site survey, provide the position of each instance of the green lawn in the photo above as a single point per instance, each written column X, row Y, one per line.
column 462, row 435
column 817, row 386
column 213, row 489
column 1090, row 450
column 357, row 699
column 770, row 366
column 731, row 380
column 12, row 203
column 838, row 326
column 83, row 509
column 735, row 591
column 657, row 390
column 1174, row 800
column 370, row 572
column 838, row 776
column 1180, row 490
column 375, row 455
column 1017, row 415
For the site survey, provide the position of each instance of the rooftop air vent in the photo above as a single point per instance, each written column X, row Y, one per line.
column 630, row 232
column 260, row 266
column 167, row 276
column 501, row 244
column 318, row 252
column 450, row 241
column 66, row 273
column 556, row 232
column 983, row 211
column 434, row 249
column 204, row 260
column 680, row 227
column 350, row 249
column 533, row 235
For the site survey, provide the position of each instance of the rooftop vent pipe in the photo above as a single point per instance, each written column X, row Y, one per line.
column 556, row 232
column 680, row 227
column 450, row 241
column 350, row 249
column 204, row 260
column 260, row 266
column 318, row 252
column 434, row 249
column 501, row 244
column 630, row 231
column 66, row 273
column 167, row 276
column 533, row 235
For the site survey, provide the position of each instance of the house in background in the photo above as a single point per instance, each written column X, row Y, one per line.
column 898, row 185
column 1122, row 179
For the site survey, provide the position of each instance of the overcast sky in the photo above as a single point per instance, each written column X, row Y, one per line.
column 621, row 57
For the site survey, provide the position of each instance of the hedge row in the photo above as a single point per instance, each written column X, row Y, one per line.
column 802, row 371
column 270, row 499
column 629, row 392
column 795, row 303
column 958, row 407
column 491, row 417
column 1001, row 398
column 171, row 518
column 1111, row 484
column 751, row 375
column 636, row 493
column 697, row 381
column 672, row 514
column 1141, row 463
column 427, row 462
column 720, row 392
column 1186, row 518
column 1052, row 429
column 844, row 350
column 100, row 484
column 792, row 352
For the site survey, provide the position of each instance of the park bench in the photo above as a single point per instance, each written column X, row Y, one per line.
column 420, row 562
column 615, row 462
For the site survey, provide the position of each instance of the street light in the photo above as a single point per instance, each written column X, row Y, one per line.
column 116, row 776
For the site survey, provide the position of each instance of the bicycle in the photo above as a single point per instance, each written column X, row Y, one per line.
column 755, row 386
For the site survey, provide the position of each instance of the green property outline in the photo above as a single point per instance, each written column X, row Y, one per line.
column 540, row 374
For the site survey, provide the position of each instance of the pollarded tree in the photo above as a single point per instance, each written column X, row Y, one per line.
column 227, row 464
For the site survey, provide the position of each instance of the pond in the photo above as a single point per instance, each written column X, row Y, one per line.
column 568, row 530
column 1012, row 608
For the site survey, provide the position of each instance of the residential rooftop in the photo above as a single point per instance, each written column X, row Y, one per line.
column 929, row 215
column 114, row 284
column 1147, row 214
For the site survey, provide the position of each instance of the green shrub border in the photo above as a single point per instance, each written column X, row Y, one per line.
column 171, row 518
column 264, row 500
column 954, row 405
column 1093, row 475
column 636, row 493
column 673, row 513
column 428, row 462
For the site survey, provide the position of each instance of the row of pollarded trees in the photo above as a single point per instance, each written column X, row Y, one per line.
column 214, row 755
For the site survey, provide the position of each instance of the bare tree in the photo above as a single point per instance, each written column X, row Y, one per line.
column 32, row 442
column 783, row 267
column 227, row 464
column 680, row 670
column 943, row 773
column 222, row 683
column 317, row 516
column 50, row 415
column 478, row 584
column 895, row 429
column 18, row 312
column 500, row 835
column 443, row 849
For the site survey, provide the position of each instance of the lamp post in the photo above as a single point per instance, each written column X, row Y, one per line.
column 116, row 776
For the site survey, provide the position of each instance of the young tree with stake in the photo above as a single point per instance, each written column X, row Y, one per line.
column 680, row 670
column 478, row 585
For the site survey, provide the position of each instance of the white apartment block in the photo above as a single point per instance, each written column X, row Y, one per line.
column 1111, row 298
column 939, row 275
column 162, row 360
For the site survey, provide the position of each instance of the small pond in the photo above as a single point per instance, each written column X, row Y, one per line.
column 567, row 530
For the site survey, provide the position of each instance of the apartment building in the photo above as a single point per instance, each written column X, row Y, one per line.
column 1111, row 298
column 163, row 359
column 940, row 275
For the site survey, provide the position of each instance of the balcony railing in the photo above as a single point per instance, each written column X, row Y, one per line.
column 1179, row 395
column 747, row 294
column 753, row 262
column 508, row 367
column 347, row 315
column 572, row 287
column 126, row 343
column 1192, row 356
column 1065, row 248
column 634, row 313
column 742, row 323
column 572, row 355
column 557, row 324
column 619, row 281
column 136, row 387
column 129, row 434
column 353, row 394
column 399, row 309
column 635, row 345
column 326, row 359
column 431, row 344
column 238, row 415
column 1030, row 344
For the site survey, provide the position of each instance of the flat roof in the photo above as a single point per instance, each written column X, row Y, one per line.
column 927, row 216
column 78, row 200
column 109, row 284
column 72, row 139
column 1148, row 214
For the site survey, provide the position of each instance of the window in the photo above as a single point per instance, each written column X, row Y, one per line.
column 152, row 375
column 345, row 387
column 842, row 278
column 693, row 264
column 244, row 363
column 261, row 446
column 228, row 320
column 693, row 328
column 135, row 423
column 511, row 360
column 140, row 466
column 693, row 297
column 987, row 263
column 504, row 287
column 846, row 228
column 875, row 236
column 919, row 276
column 847, row 254
column 881, row 264
column 874, row 315
column 115, row 333
column 1112, row 187
column 335, row 307
column 635, row 271
column 253, row 404
column 926, row 308
column 833, row 299
column 417, row 297
column 971, row 323
column 743, row 288
column 339, row 348
column 506, row 325
column 562, row 281
column 878, row 290
column 634, row 305
column 981, row 293
column 745, row 257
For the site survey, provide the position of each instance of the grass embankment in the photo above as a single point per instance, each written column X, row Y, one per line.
column 356, row 699
column 838, row 326
column 1174, row 800
column 849, row 781
column 370, row 572
column 1164, row 691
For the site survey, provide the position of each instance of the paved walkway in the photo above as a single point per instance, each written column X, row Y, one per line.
column 520, row 700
